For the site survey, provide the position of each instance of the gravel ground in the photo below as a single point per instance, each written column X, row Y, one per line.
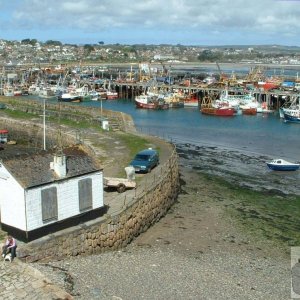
column 162, row 273
column 194, row 252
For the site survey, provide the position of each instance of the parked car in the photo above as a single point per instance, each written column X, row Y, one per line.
column 145, row 161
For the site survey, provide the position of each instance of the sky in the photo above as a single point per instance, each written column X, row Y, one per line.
column 185, row 22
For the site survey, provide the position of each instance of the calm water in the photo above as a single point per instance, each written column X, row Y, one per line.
column 264, row 134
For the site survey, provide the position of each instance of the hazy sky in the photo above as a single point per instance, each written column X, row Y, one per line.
column 186, row 22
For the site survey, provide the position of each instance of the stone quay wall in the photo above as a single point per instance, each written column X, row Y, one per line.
column 138, row 211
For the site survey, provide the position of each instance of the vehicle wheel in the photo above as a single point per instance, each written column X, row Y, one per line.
column 121, row 188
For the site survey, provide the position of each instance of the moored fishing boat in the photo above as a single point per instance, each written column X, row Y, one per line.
column 112, row 95
column 191, row 100
column 173, row 100
column 150, row 102
column 291, row 113
column 231, row 100
column 94, row 95
column 249, row 111
column 282, row 165
column 17, row 92
column 217, row 111
column 69, row 97
column 8, row 91
column 46, row 92
column 216, row 107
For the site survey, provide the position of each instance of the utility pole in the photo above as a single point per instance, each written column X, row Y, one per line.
column 44, row 123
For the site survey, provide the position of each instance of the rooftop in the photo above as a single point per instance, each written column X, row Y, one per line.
column 34, row 169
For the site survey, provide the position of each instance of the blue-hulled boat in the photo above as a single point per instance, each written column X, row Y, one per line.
column 282, row 165
column 292, row 113
column 291, row 116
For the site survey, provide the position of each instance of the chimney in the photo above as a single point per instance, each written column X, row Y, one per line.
column 59, row 165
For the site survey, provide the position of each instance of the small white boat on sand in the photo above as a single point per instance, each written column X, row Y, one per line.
column 282, row 165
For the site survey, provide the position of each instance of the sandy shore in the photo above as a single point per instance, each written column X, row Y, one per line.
column 197, row 251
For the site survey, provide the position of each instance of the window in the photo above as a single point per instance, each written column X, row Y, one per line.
column 85, row 194
column 49, row 204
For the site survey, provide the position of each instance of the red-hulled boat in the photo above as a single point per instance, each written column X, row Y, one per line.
column 112, row 95
column 249, row 111
column 191, row 100
column 218, row 111
column 150, row 102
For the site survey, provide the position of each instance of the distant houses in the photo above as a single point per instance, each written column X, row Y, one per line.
column 47, row 191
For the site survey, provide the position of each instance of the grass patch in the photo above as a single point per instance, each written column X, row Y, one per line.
column 76, row 124
column 263, row 216
column 133, row 143
column 19, row 114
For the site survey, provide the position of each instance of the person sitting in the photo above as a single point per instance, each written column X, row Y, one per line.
column 9, row 247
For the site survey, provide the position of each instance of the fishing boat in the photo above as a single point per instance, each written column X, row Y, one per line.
column 291, row 113
column 94, row 95
column 46, row 92
column 282, row 165
column 231, row 100
column 112, row 95
column 249, row 111
column 191, row 100
column 17, row 92
column 216, row 107
column 150, row 102
column 8, row 91
column 173, row 100
column 217, row 111
column 70, row 97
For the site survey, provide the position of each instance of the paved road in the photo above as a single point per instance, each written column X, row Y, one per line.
column 20, row 281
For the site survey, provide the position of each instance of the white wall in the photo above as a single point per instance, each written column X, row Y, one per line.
column 67, row 198
column 12, row 204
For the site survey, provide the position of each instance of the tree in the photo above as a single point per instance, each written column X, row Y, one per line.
column 33, row 42
column 53, row 43
column 88, row 49
column 208, row 55
column 101, row 43
column 25, row 41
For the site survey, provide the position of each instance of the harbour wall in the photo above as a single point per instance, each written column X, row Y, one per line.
column 133, row 212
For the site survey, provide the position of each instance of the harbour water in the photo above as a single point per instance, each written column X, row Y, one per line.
column 264, row 134
column 235, row 148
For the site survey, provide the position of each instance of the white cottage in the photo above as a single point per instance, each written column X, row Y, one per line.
column 46, row 192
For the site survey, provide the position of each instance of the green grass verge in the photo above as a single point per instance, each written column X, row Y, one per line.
column 18, row 114
column 133, row 143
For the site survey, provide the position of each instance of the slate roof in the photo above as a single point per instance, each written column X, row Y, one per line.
column 34, row 169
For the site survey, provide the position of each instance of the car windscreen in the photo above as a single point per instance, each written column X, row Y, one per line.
column 142, row 157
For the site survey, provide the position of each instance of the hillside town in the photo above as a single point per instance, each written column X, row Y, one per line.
column 31, row 51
